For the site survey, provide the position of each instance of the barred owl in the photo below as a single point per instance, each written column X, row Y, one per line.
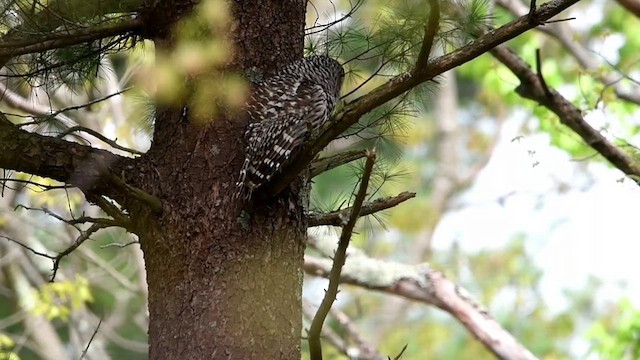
column 285, row 110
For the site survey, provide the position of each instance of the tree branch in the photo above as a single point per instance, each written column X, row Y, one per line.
column 426, row 285
column 351, row 113
column 315, row 349
column 338, row 218
column 430, row 32
column 84, row 236
column 327, row 163
column 57, row 159
column 567, row 38
column 533, row 87
column 11, row 48
column 92, row 170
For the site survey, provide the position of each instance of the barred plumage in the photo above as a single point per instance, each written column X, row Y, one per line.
column 284, row 111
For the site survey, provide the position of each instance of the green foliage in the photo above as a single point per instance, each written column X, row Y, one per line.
column 201, row 54
column 6, row 346
column 618, row 338
column 58, row 299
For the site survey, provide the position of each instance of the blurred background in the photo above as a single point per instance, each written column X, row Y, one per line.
column 511, row 205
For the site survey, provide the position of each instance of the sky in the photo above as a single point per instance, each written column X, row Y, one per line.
column 586, row 228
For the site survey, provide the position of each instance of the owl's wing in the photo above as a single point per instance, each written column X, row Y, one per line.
column 288, row 119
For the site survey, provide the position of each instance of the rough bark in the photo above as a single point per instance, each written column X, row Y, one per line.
column 224, row 281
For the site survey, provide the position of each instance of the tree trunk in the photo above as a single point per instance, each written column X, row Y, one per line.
column 225, row 281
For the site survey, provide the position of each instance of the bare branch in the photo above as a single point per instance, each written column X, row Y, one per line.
column 317, row 28
column 110, row 142
column 84, row 352
column 338, row 218
column 27, row 247
column 315, row 349
column 426, row 285
column 84, row 236
column 327, row 163
column 72, row 222
column 532, row 86
column 400, row 84
column 20, row 103
column 42, row 187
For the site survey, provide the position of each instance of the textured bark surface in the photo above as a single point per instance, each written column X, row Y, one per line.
column 224, row 282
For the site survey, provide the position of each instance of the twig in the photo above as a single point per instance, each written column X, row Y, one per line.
column 338, row 217
column 399, row 356
column 110, row 209
column 48, row 113
column 105, row 139
column 327, row 163
column 543, row 82
column 153, row 202
column 315, row 348
column 71, row 222
column 35, row 252
column 322, row 27
column 430, row 32
column 120, row 245
column 42, row 187
column 84, row 236
column 92, row 102
column 84, row 352
column 18, row 102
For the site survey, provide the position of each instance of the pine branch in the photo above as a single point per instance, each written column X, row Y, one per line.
column 331, row 162
column 33, row 44
column 430, row 32
column 62, row 13
column 340, row 257
column 337, row 218
column 353, row 111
